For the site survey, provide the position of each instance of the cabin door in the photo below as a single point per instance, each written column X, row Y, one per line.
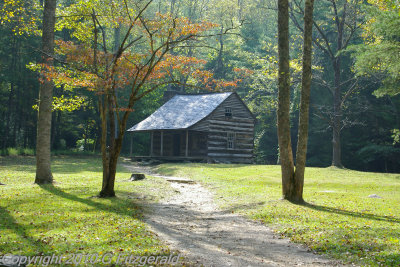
column 177, row 145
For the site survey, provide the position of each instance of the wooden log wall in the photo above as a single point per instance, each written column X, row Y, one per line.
column 241, row 125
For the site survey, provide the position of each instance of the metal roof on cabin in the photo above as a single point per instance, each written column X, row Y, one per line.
column 181, row 112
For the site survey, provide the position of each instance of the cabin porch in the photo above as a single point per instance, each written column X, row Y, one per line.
column 177, row 145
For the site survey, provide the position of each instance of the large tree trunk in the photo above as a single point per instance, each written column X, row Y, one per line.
column 112, row 151
column 283, row 112
column 301, row 153
column 337, row 98
column 337, row 117
column 43, row 161
column 293, row 181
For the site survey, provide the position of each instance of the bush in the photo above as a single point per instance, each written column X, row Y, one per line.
column 26, row 151
column 89, row 146
column 11, row 151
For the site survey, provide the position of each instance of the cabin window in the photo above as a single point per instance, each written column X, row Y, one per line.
column 231, row 140
column 228, row 112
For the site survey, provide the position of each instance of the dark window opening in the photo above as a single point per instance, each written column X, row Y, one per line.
column 228, row 112
column 230, row 140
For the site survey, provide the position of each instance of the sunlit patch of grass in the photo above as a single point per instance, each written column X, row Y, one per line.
column 339, row 219
column 67, row 217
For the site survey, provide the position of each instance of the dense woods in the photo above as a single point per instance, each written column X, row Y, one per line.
column 354, row 98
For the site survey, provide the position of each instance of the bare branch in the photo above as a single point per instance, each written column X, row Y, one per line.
column 95, row 45
column 349, row 92
column 327, row 50
column 102, row 31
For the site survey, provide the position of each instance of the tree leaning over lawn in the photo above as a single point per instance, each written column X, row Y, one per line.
column 43, row 157
column 139, row 65
column 293, row 179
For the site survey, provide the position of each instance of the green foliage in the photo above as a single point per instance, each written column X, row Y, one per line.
column 339, row 219
column 23, row 16
column 372, row 152
column 26, row 152
column 251, row 46
column 66, row 104
column 18, row 86
column 378, row 56
column 85, row 144
column 11, row 151
column 396, row 136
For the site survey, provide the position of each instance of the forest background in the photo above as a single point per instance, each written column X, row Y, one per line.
column 355, row 102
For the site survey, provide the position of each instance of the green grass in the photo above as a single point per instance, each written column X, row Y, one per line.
column 66, row 218
column 338, row 220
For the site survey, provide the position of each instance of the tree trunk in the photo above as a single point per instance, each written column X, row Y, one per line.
column 104, row 150
column 337, row 98
column 108, row 184
column 293, row 181
column 43, row 161
column 337, row 117
column 301, row 153
column 283, row 112
column 110, row 173
column 6, row 141
column 219, row 65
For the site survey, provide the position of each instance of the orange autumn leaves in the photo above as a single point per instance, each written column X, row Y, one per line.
column 177, row 27
column 141, row 68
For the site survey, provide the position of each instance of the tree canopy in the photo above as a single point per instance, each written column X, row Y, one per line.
column 232, row 46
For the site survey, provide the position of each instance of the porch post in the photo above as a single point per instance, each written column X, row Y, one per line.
column 151, row 143
column 187, row 144
column 162, row 143
column 130, row 150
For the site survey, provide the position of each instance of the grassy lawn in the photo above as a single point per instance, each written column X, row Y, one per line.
column 66, row 218
column 340, row 220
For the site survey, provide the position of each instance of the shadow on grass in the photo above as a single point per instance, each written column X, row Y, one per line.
column 119, row 206
column 7, row 221
column 352, row 213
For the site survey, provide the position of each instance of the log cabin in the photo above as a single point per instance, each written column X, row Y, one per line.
column 212, row 127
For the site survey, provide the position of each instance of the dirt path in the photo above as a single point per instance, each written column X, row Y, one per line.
column 191, row 223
